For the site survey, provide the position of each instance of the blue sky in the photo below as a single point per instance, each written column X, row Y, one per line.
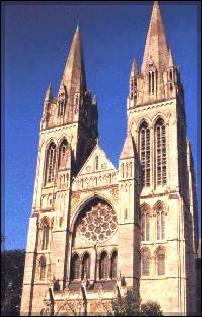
column 37, row 39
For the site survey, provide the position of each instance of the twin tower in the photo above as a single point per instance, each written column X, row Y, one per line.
column 95, row 230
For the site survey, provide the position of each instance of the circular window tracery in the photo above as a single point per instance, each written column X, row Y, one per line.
column 97, row 222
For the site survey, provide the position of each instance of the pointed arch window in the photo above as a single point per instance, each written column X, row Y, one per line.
column 42, row 268
column 152, row 81
column 75, row 267
column 63, row 154
column 160, row 225
column 145, row 224
column 103, row 266
column 160, row 261
column 160, row 153
column 45, row 236
column 146, row 261
column 113, row 269
column 85, row 273
column 51, row 163
column 144, row 145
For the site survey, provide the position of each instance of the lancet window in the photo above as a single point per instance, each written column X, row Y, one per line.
column 144, row 144
column 146, row 262
column 85, row 273
column 63, row 154
column 160, row 221
column 75, row 267
column 152, row 82
column 113, row 269
column 42, row 268
column 160, row 152
column 160, row 261
column 145, row 223
column 103, row 266
column 45, row 236
column 51, row 163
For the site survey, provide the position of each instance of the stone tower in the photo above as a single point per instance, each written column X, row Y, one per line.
column 156, row 120
column 68, row 133
column 96, row 230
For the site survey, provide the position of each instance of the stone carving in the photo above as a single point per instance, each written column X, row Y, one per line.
column 115, row 193
column 75, row 199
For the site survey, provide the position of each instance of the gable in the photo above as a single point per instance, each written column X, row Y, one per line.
column 98, row 171
column 97, row 162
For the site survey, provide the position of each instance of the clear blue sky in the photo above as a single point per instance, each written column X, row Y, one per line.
column 36, row 43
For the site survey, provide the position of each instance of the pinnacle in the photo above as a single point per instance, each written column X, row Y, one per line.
column 170, row 58
column 48, row 92
column 128, row 148
column 134, row 69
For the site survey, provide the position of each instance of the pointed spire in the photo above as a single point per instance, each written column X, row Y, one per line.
column 156, row 46
column 48, row 95
column 74, row 74
column 128, row 148
column 134, row 69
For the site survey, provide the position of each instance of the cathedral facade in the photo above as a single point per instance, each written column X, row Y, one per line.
column 95, row 229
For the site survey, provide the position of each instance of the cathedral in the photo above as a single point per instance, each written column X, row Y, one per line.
column 96, row 230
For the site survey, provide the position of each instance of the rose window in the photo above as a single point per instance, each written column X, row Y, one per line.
column 98, row 221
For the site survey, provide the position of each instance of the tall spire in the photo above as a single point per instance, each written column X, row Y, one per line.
column 156, row 48
column 74, row 73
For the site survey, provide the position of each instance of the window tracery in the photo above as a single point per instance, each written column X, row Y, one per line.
column 63, row 154
column 144, row 145
column 160, row 220
column 145, row 222
column 97, row 222
column 146, row 262
column 45, row 236
column 160, row 152
column 160, row 261
column 152, row 78
column 51, row 163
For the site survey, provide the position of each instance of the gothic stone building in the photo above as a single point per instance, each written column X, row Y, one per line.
column 96, row 230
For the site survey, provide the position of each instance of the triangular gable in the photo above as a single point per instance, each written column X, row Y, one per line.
column 103, row 164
